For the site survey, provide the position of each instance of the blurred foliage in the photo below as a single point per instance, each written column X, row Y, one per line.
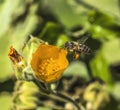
column 5, row 101
column 58, row 21
column 90, row 94
column 14, row 30
column 25, row 97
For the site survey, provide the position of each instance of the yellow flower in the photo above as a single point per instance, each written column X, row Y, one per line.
column 49, row 62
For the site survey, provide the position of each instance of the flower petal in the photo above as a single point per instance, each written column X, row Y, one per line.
column 49, row 62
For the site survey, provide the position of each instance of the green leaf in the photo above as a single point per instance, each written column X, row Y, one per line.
column 5, row 101
column 100, row 69
column 51, row 32
column 116, row 90
column 66, row 13
column 103, row 26
column 6, row 12
column 108, row 54
column 62, row 39
column 15, row 37
column 43, row 108
column 110, row 7
column 111, row 51
column 103, row 34
column 77, row 68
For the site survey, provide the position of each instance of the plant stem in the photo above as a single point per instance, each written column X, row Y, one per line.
column 47, row 91
column 68, row 99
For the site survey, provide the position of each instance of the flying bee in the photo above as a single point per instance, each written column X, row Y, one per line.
column 77, row 48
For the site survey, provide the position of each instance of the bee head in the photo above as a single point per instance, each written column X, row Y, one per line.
column 69, row 46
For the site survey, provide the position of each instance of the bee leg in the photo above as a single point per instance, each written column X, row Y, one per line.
column 76, row 55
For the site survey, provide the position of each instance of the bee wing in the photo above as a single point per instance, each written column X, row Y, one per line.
column 83, row 39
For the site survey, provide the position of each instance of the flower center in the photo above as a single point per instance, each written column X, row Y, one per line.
column 48, row 67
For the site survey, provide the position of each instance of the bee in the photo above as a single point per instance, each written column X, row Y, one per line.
column 77, row 48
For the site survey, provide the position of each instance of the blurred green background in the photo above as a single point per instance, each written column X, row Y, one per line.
column 58, row 21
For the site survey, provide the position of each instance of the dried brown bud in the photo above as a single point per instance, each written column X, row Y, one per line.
column 15, row 57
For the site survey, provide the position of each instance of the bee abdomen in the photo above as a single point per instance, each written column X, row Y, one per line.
column 85, row 49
